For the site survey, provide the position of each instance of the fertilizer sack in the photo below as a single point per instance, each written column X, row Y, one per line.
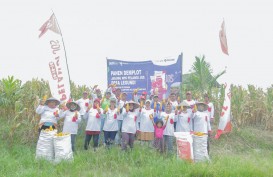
column 200, row 151
column 62, row 148
column 184, row 146
column 45, row 147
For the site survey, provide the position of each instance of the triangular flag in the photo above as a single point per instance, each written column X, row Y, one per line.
column 50, row 24
column 223, row 38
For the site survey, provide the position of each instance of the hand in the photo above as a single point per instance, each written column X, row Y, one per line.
column 42, row 102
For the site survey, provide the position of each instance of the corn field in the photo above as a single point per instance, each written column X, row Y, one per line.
column 251, row 106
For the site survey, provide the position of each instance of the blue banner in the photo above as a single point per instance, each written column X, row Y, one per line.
column 160, row 77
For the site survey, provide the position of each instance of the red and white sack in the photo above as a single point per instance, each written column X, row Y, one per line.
column 200, row 151
column 62, row 148
column 184, row 146
column 45, row 147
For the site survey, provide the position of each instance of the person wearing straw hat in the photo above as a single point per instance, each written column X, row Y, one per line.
column 168, row 133
column 184, row 122
column 120, row 105
column 129, row 125
column 110, row 127
column 49, row 113
column 71, row 120
column 201, row 120
column 93, row 116
column 146, row 126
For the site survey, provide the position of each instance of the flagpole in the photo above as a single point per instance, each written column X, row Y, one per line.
column 64, row 54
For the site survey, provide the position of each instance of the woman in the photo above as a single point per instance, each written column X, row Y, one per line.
column 129, row 126
column 146, row 128
column 93, row 116
column 110, row 127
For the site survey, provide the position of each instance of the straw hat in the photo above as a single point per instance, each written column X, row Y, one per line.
column 68, row 105
column 52, row 99
column 202, row 103
column 136, row 105
column 183, row 104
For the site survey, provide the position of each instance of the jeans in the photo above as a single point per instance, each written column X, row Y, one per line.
column 101, row 137
column 73, row 140
column 118, row 135
column 87, row 141
column 168, row 143
column 109, row 137
column 127, row 139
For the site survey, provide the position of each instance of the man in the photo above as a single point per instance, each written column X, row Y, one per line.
column 210, row 108
column 191, row 104
column 120, row 104
column 83, row 103
column 173, row 101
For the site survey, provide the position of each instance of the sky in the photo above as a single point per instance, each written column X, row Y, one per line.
column 140, row 30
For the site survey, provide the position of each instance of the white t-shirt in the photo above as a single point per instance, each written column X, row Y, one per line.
column 93, row 123
column 201, row 122
column 83, row 103
column 47, row 114
column 183, row 123
column 120, row 104
column 69, row 126
column 146, row 125
column 191, row 103
column 211, row 110
column 111, row 121
column 169, row 130
column 174, row 104
column 129, row 124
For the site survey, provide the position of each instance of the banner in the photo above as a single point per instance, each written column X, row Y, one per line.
column 160, row 77
column 225, row 121
column 58, row 76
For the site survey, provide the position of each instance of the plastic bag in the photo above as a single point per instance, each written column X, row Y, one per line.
column 45, row 146
column 200, row 150
column 62, row 148
column 184, row 145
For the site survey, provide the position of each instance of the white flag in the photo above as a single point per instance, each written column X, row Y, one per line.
column 225, row 121
column 58, row 76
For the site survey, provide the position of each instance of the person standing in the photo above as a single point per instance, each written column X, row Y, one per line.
column 93, row 116
column 72, row 118
column 146, row 128
column 129, row 125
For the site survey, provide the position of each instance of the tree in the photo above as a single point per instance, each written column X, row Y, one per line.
column 201, row 80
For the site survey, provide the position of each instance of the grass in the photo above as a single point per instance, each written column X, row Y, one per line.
column 245, row 152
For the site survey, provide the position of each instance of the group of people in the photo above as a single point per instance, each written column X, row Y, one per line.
column 113, row 119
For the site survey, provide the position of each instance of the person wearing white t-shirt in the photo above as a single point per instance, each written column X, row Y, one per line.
column 93, row 116
column 71, row 120
column 210, row 108
column 120, row 105
column 129, row 125
column 146, row 125
column 184, row 121
column 168, row 133
column 110, row 127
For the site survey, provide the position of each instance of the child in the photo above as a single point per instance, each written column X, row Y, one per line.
column 49, row 113
column 146, row 126
column 184, row 118
column 168, row 133
column 129, row 124
column 159, row 128
column 110, row 127
column 93, row 116
column 71, row 120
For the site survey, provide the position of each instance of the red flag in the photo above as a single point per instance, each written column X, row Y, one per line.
column 223, row 38
column 50, row 24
